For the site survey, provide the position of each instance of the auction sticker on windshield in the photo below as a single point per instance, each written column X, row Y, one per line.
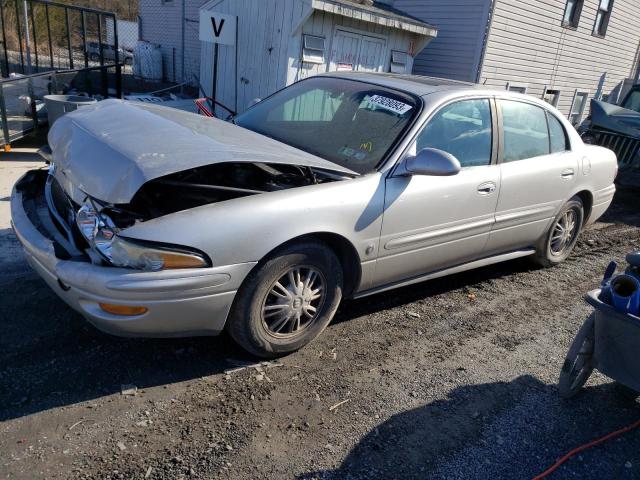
column 390, row 104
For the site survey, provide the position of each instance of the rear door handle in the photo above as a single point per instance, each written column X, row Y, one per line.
column 568, row 173
column 486, row 188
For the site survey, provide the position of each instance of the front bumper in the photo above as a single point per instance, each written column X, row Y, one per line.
column 186, row 302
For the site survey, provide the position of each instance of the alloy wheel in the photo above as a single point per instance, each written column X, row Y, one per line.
column 294, row 301
column 564, row 232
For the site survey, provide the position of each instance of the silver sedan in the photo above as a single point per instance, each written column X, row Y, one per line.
column 155, row 222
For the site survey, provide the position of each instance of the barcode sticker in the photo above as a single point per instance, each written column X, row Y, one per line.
column 390, row 104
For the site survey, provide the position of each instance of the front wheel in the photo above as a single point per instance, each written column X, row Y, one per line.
column 578, row 363
column 287, row 301
column 559, row 241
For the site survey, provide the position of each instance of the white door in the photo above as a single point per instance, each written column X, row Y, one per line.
column 356, row 52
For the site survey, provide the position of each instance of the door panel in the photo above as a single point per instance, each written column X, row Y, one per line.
column 538, row 174
column 532, row 193
column 434, row 222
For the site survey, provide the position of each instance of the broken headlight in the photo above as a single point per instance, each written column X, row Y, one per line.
column 101, row 234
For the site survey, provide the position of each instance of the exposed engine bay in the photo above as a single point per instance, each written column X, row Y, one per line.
column 212, row 184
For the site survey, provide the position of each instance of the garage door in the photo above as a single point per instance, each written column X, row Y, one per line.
column 352, row 51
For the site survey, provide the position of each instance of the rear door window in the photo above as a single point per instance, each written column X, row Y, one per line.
column 526, row 134
column 557, row 135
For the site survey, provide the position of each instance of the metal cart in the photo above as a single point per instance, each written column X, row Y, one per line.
column 608, row 341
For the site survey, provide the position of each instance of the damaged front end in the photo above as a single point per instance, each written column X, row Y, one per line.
column 107, row 175
column 95, row 229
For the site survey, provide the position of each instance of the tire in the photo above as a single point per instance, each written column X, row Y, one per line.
column 578, row 365
column 547, row 254
column 94, row 57
column 271, row 314
column 625, row 392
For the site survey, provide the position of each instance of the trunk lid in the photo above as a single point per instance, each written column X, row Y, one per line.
column 111, row 149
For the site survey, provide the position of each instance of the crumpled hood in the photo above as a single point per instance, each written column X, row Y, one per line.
column 616, row 118
column 112, row 148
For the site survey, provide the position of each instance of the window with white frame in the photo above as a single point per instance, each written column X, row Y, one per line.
column 312, row 49
column 578, row 107
column 602, row 18
column 572, row 12
column 551, row 96
column 398, row 62
column 517, row 87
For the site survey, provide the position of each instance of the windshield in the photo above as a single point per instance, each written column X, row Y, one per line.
column 353, row 124
column 632, row 102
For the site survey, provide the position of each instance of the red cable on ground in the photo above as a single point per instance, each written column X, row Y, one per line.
column 609, row 436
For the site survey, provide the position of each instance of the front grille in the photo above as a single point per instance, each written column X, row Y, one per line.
column 62, row 212
column 625, row 148
column 61, row 201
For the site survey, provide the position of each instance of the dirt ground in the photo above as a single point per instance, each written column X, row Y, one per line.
column 449, row 379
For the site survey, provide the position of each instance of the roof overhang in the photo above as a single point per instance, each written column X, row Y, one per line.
column 377, row 13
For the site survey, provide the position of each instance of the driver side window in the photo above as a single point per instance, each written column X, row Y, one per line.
column 463, row 129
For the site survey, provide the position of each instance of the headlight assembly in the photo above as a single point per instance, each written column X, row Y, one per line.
column 102, row 235
column 125, row 253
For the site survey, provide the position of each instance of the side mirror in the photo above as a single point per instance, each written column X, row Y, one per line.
column 430, row 161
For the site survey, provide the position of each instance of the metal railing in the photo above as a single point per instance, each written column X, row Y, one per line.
column 21, row 106
column 50, row 47
column 77, row 37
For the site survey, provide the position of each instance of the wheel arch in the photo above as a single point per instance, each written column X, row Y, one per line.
column 341, row 246
column 587, row 203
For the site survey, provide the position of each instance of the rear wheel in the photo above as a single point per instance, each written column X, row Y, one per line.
column 288, row 300
column 561, row 238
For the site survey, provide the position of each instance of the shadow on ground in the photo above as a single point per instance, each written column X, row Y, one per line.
column 50, row 357
column 499, row 424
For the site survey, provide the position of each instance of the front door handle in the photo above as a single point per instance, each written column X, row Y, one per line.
column 486, row 188
column 568, row 173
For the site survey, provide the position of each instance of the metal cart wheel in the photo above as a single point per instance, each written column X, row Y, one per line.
column 578, row 364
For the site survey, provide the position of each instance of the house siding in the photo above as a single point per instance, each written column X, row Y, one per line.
column 457, row 50
column 527, row 45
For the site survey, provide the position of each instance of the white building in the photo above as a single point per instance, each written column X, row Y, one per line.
column 564, row 51
column 281, row 41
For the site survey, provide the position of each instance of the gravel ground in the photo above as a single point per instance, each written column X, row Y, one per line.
column 453, row 378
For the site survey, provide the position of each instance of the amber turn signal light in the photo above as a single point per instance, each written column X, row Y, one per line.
column 123, row 310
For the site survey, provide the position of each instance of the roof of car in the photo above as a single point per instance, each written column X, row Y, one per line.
column 415, row 84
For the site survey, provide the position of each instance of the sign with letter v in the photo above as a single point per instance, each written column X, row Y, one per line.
column 217, row 28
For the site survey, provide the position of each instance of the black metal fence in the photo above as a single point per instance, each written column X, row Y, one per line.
column 22, row 108
column 39, row 35
column 54, row 48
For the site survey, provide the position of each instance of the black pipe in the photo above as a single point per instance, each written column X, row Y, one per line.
column 84, row 39
column 46, row 10
column 19, row 36
column 35, row 36
column 66, row 18
column 4, row 42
